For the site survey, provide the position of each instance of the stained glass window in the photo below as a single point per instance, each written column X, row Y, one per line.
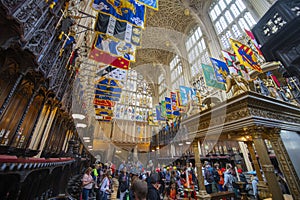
column 136, row 99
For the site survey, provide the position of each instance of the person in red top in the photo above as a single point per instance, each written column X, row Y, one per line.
column 221, row 176
column 113, row 169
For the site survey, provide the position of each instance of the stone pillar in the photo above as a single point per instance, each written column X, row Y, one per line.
column 266, row 164
column 254, row 160
column 202, row 191
column 245, row 155
column 285, row 164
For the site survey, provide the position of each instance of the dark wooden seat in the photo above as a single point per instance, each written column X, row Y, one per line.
column 222, row 195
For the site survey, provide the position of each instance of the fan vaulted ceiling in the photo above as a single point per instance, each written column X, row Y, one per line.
column 166, row 31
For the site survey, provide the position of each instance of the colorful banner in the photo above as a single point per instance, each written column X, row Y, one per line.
column 153, row 4
column 108, row 89
column 107, row 112
column 124, row 31
column 174, row 101
column 124, row 10
column 210, row 79
column 103, row 118
column 168, row 107
column 245, row 55
column 152, row 121
column 221, row 70
column 115, row 47
column 104, row 58
column 184, row 95
column 112, row 73
column 187, row 94
column 100, row 102
column 230, row 60
column 251, row 36
column 163, row 109
column 158, row 113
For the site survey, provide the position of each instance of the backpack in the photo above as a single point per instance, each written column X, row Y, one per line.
column 209, row 175
column 216, row 176
column 233, row 181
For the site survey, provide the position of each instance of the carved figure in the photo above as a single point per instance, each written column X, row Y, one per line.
column 260, row 87
column 237, row 83
column 123, row 4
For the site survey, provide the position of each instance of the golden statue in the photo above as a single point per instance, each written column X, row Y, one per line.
column 236, row 82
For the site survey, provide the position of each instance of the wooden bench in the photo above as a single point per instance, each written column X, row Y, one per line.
column 222, row 195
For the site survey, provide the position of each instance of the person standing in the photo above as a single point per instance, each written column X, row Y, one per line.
column 123, row 183
column 228, row 179
column 105, row 185
column 87, row 183
column 122, row 165
column 140, row 190
column 254, row 186
column 153, row 188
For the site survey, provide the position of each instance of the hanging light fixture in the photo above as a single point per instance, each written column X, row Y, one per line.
column 81, row 125
column 78, row 116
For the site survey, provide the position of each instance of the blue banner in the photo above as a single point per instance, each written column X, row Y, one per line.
column 221, row 70
column 127, row 10
column 115, row 47
column 153, row 4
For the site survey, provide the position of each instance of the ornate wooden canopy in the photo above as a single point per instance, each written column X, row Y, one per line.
column 239, row 114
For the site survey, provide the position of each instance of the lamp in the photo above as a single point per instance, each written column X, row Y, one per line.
column 78, row 116
column 81, row 125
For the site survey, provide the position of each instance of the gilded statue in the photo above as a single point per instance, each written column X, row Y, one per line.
column 236, row 82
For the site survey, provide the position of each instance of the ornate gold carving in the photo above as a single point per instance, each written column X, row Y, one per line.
column 268, row 168
column 285, row 163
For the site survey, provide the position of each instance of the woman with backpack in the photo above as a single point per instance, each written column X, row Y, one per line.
column 228, row 179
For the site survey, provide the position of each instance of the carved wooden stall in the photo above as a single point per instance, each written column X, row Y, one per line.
column 35, row 103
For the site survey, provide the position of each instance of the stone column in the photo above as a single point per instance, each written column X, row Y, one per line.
column 285, row 164
column 266, row 164
column 202, row 191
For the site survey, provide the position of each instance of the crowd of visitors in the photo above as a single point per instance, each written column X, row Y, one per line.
column 136, row 182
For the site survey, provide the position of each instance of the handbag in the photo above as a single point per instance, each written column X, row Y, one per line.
column 123, row 187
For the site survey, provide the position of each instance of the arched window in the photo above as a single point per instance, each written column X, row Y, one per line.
column 176, row 72
column 197, row 49
column 230, row 18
